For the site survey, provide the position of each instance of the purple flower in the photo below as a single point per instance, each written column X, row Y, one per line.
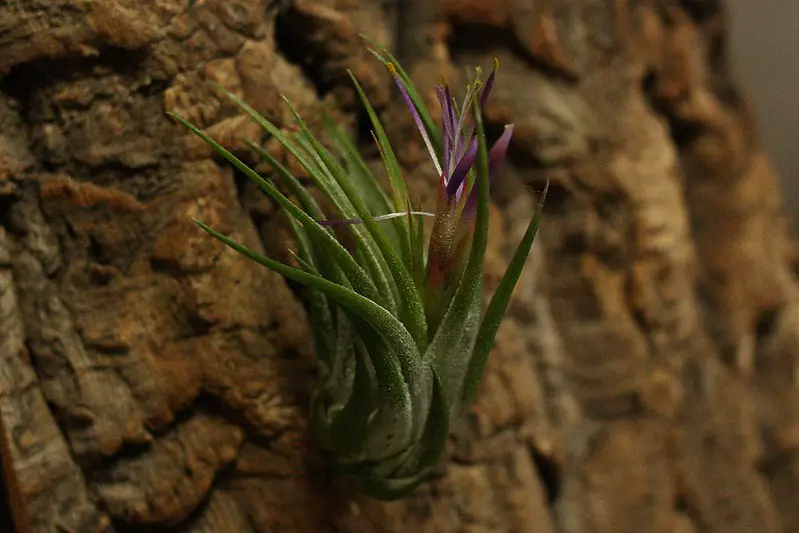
column 459, row 143
column 451, row 236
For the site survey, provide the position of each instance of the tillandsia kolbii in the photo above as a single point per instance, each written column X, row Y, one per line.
column 397, row 325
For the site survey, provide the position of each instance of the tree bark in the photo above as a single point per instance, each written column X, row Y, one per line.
column 645, row 379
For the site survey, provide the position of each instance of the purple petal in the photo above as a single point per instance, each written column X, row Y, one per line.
column 447, row 154
column 497, row 153
column 415, row 114
column 449, row 119
column 462, row 169
column 447, row 110
column 495, row 158
column 470, row 209
column 488, row 85
column 462, row 145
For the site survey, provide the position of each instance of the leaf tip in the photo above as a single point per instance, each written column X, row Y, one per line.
column 543, row 197
column 217, row 86
column 177, row 118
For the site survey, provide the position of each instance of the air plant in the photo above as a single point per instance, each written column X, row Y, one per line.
column 397, row 325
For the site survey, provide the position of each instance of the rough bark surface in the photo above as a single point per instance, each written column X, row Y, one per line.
column 646, row 379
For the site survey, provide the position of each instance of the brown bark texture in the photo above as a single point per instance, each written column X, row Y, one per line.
column 645, row 380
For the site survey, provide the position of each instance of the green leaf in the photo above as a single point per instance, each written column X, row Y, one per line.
column 414, row 264
column 350, row 428
column 402, row 379
column 335, row 390
column 356, row 275
column 399, row 191
column 412, row 312
column 400, row 376
column 365, row 181
column 397, row 185
column 391, row 432
column 469, row 291
column 374, row 260
column 318, row 307
column 391, row 489
column 327, row 184
column 290, row 181
column 323, row 177
column 433, row 441
column 359, row 172
column 343, row 369
column 499, row 305
column 325, row 263
column 273, row 130
column 385, row 57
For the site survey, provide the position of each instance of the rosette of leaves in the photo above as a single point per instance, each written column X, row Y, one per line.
column 400, row 331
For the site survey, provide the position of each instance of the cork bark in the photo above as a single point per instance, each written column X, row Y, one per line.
column 645, row 379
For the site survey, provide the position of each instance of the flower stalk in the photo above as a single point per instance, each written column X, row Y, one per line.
column 400, row 335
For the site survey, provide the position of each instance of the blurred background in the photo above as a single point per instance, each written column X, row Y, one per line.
column 764, row 37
